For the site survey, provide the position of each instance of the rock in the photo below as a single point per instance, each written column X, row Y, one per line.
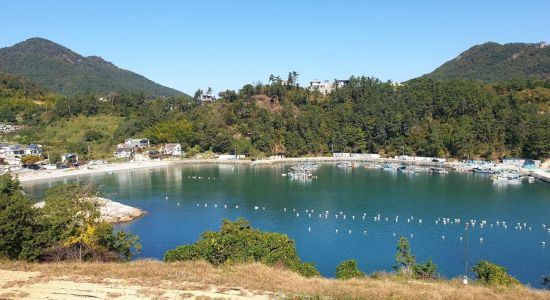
column 111, row 211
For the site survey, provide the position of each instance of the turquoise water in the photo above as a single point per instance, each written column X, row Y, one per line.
column 193, row 206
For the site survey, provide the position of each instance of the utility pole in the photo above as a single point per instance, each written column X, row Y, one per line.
column 466, row 256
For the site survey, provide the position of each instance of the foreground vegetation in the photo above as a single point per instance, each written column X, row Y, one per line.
column 66, row 228
column 193, row 275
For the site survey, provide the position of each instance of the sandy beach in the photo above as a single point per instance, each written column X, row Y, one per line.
column 32, row 175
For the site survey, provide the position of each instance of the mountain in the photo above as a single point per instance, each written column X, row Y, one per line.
column 63, row 71
column 491, row 62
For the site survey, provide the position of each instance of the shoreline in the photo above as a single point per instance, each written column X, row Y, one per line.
column 30, row 175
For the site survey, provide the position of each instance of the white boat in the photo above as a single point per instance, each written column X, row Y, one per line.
column 507, row 178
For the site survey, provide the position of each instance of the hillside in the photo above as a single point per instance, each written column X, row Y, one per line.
column 492, row 62
column 61, row 70
column 200, row 280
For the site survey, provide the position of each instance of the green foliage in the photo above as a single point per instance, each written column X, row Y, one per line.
column 546, row 281
column 493, row 274
column 404, row 259
column 28, row 160
column 171, row 131
column 348, row 269
column 426, row 270
column 17, row 219
column 66, row 228
column 237, row 242
column 407, row 265
column 492, row 62
column 64, row 71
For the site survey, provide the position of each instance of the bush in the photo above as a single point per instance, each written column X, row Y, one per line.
column 546, row 281
column 493, row 274
column 348, row 269
column 427, row 270
column 237, row 242
column 407, row 265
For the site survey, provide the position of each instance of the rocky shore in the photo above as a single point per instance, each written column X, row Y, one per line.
column 111, row 211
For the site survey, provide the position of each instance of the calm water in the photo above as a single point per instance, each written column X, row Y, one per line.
column 354, row 192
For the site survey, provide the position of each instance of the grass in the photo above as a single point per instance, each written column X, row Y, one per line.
column 71, row 131
column 258, row 278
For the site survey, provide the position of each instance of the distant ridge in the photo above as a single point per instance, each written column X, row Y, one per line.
column 492, row 62
column 64, row 71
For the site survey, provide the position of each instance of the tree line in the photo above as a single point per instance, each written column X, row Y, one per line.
column 425, row 117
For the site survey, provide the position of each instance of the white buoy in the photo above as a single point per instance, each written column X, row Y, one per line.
column 225, row 206
column 166, row 198
column 442, row 237
column 297, row 214
column 481, row 240
column 394, row 234
column 178, row 204
column 309, row 229
column 336, row 230
column 309, row 215
column 255, row 208
column 349, row 231
column 461, row 238
column 205, row 205
column 215, row 206
column 364, row 232
column 353, row 217
column 412, row 235
column 284, row 209
column 236, row 206
column 543, row 243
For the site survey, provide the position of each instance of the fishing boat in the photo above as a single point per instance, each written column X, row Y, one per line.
column 507, row 178
column 437, row 171
column 407, row 170
column 388, row 167
column 344, row 165
column 484, row 170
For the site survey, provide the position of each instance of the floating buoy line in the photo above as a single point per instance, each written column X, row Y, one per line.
column 479, row 226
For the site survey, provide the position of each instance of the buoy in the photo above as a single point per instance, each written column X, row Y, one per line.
column 442, row 237
column 236, row 206
column 349, row 231
column 336, row 230
column 166, row 198
column 297, row 214
column 481, row 240
column 255, row 208
column 215, row 206
column 309, row 229
column 225, row 206
column 412, row 235
column 178, row 204
column 284, row 209
column 461, row 238
column 205, row 205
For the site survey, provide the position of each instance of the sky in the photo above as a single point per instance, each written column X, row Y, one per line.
column 225, row 44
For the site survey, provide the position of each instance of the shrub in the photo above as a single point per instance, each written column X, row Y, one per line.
column 546, row 281
column 237, row 242
column 427, row 270
column 406, row 262
column 493, row 274
column 348, row 269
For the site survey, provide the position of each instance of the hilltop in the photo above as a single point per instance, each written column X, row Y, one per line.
column 64, row 71
column 493, row 62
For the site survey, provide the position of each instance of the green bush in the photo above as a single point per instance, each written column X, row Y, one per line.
column 348, row 269
column 237, row 242
column 427, row 270
column 493, row 274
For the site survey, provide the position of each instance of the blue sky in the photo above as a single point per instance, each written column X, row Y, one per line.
column 225, row 44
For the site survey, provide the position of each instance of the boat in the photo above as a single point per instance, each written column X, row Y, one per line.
column 388, row 167
column 438, row 171
column 407, row 170
column 344, row 165
column 507, row 178
column 484, row 170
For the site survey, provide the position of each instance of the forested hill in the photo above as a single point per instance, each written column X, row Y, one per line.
column 61, row 70
column 493, row 62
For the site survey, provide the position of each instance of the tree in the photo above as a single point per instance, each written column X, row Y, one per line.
column 426, row 270
column 404, row 259
column 28, row 160
column 238, row 242
column 546, row 281
column 348, row 269
column 493, row 274
column 198, row 95
column 17, row 220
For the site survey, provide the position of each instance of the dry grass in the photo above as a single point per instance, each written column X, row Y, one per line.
column 257, row 278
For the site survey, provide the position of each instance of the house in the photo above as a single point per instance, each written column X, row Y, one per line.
column 70, row 159
column 206, row 98
column 33, row 149
column 173, row 149
column 123, row 152
column 324, row 87
column 137, row 143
